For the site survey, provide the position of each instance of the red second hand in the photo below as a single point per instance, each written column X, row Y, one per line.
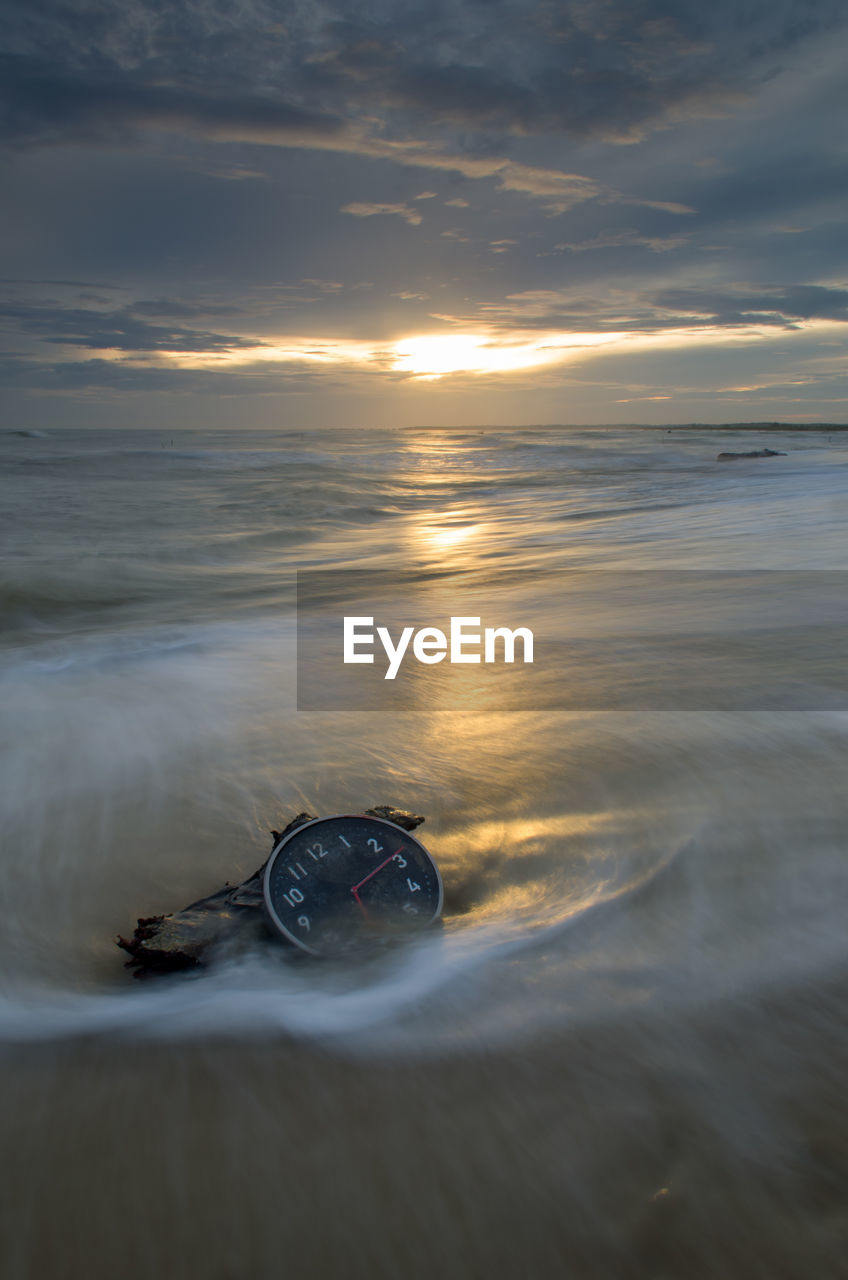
column 373, row 873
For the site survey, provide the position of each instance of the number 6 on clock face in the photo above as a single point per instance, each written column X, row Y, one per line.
column 336, row 883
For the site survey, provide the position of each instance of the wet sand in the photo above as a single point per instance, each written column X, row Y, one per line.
column 705, row 1146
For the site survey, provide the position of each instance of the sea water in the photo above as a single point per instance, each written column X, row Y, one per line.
column 623, row 1054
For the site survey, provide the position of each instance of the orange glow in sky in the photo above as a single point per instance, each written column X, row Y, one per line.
column 429, row 357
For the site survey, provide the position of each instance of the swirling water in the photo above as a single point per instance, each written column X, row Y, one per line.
column 621, row 1056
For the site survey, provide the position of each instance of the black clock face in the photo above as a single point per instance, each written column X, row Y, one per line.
column 336, row 883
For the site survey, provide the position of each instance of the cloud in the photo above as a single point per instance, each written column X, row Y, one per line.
column 362, row 210
column 99, row 375
column 43, row 104
column 64, row 284
column 747, row 304
column 443, row 88
column 177, row 308
column 559, row 191
column 624, row 239
column 116, row 330
column 613, row 308
column 609, row 70
column 50, row 108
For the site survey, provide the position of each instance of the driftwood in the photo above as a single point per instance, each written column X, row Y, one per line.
column 755, row 453
column 232, row 915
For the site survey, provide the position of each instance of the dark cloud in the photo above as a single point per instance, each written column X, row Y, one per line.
column 464, row 96
column 777, row 184
column 288, row 73
column 626, row 238
column 42, row 103
column 606, row 69
column 745, row 305
column 614, row 309
column 178, row 309
column 118, row 330
column 73, row 284
column 115, row 375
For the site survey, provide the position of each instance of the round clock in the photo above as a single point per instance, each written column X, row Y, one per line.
column 336, row 883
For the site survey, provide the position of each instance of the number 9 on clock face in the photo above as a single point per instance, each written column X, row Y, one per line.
column 335, row 883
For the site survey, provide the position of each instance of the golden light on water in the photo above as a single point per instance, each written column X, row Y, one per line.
column 448, row 537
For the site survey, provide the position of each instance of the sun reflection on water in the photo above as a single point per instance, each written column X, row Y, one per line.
column 448, row 536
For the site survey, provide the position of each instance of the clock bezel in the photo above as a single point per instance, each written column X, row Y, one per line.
column 332, row 817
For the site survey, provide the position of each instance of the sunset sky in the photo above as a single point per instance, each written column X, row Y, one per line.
column 448, row 213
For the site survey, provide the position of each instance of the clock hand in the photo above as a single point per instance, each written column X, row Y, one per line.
column 374, row 872
column 359, row 902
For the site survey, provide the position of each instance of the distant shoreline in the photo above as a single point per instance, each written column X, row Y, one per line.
column 757, row 426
